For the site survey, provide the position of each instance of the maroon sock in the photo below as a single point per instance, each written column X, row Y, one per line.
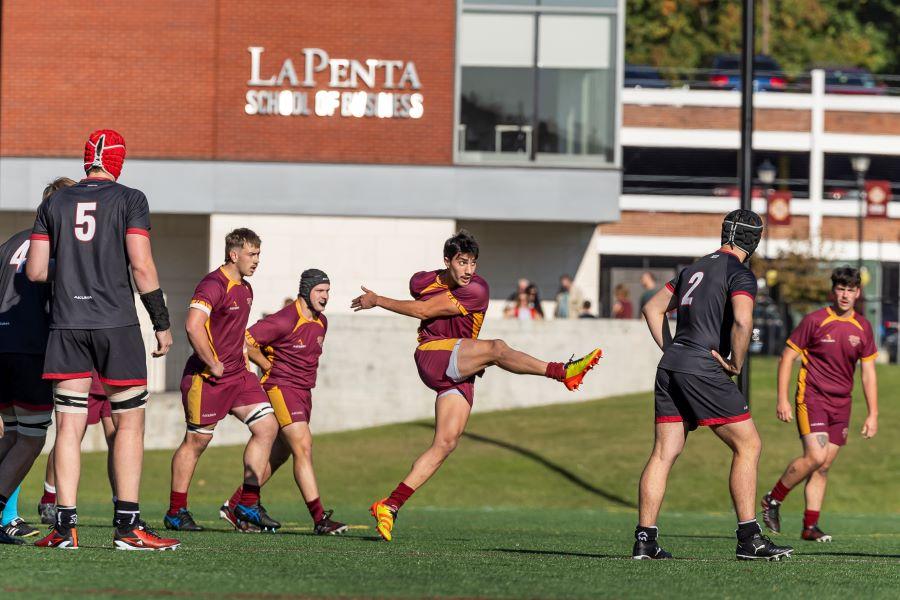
column 810, row 518
column 399, row 496
column 249, row 494
column 779, row 492
column 235, row 497
column 556, row 370
column 177, row 501
column 48, row 498
column 315, row 509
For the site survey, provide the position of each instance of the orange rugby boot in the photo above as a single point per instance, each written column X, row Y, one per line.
column 141, row 537
column 67, row 539
column 385, row 516
column 577, row 369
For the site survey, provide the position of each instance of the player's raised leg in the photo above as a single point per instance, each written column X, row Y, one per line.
column 450, row 418
column 815, row 496
column 476, row 355
column 667, row 446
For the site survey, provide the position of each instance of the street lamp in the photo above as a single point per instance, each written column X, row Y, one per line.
column 766, row 173
column 860, row 164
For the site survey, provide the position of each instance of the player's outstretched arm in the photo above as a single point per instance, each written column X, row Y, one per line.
column 143, row 269
column 37, row 263
column 870, row 389
column 742, row 305
column 654, row 312
column 440, row 305
column 783, row 407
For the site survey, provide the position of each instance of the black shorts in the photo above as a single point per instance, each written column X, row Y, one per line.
column 117, row 354
column 698, row 400
column 21, row 384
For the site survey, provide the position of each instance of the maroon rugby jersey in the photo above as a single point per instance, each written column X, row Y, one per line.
column 471, row 299
column 227, row 302
column 293, row 344
column 829, row 347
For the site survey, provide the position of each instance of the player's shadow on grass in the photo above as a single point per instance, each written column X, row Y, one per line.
column 702, row 537
column 554, row 553
column 845, row 554
column 562, row 471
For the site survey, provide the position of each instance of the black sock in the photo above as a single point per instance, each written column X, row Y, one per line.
column 646, row 534
column 127, row 514
column 66, row 517
column 747, row 530
column 3, row 501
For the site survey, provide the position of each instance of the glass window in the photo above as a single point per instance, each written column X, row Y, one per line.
column 496, row 111
column 537, row 87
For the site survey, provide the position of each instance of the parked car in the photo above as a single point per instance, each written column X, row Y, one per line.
column 851, row 80
column 767, row 74
column 644, row 76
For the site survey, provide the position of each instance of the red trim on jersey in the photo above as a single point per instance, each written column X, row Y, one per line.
column 96, row 179
column 123, row 382
column 723, row 420
column 39, row 236
column 665, row 419
column 65, row 376
column 731, row 253
column 137, row 231
column 670, row 287
column 743, row 293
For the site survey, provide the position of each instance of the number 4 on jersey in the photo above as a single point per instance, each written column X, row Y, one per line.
column 85, row 224
column 695, row 279
column 19, row 256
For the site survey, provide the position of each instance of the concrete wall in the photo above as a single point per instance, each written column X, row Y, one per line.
column 367, row 376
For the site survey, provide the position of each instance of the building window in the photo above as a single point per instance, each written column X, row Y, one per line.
column 536, row 87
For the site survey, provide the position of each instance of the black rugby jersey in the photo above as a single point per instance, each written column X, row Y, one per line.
column 24, row 306
column 705, row 315
column 86, row 225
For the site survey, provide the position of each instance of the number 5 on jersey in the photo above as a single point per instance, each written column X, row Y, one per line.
column 85, row 223
column 695, row 279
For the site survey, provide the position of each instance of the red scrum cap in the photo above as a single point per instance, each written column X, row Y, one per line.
column 105, row 148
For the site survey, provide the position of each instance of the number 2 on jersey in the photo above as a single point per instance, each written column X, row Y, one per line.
column 85, row 223
column 695, row 279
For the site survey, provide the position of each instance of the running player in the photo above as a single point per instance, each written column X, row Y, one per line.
column 714, row 298
column 26, row 400
column 292, row 341
column 829, row 342
column 216, row 382
column 98, row 413
column 95, row 230
column 451, row 303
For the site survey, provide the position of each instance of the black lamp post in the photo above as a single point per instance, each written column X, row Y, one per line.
column 860, row 166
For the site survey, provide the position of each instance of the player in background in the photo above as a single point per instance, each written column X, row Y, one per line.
column 829, row 342
column 714, row 298
column 99, row 412
column 26, row 400
column 287, row 345
column 96, row 230
column 451, row 303
column 216, row 382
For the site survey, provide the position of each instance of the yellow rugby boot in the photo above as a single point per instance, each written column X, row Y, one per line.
column 577, row 369
column 384, row 518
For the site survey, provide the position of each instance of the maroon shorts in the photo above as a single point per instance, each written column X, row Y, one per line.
column 432, row 360
column 98, row 408
column 817, row 416
column 208, row 401
column 291, row 404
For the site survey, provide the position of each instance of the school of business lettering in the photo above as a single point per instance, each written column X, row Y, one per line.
column 397, row 81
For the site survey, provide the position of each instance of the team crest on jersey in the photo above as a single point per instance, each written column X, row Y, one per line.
column 828, row 339
column 854, row 340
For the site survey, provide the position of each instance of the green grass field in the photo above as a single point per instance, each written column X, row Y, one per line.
column 535, row 503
